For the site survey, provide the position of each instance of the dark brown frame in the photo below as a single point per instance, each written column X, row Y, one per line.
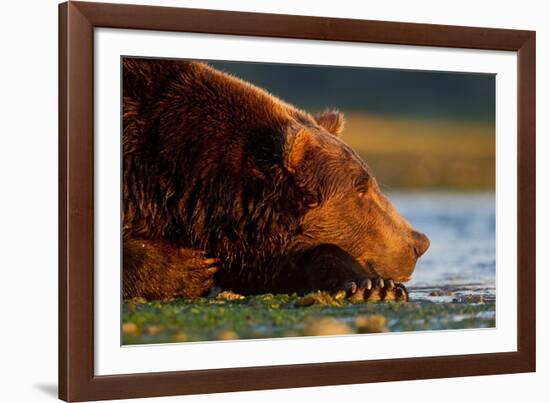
column 77, row 21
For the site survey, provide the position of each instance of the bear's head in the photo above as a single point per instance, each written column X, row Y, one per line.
column 346, row 207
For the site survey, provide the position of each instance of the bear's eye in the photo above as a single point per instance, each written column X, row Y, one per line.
column 310, row 201
column 362, row 185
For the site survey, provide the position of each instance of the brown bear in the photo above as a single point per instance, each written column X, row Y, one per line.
column 226, row 185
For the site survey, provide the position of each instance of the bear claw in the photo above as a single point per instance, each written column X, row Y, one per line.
column 368, row 286
column 378, row 289
column 351, row 287
column 401, row 294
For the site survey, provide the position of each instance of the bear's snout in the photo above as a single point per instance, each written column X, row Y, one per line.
column 421, row 243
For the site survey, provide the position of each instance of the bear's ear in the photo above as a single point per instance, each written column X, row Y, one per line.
column 296, row 148
column 332, row 121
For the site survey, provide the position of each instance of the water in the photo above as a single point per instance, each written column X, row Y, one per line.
column 460, row 264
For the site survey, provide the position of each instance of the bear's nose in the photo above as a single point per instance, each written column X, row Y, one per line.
column 421, row 243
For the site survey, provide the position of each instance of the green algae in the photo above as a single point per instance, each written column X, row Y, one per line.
column 271, row 316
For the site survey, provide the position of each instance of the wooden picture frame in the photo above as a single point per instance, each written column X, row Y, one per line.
column 77, row 21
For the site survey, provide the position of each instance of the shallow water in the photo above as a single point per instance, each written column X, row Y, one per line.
column 460, row 263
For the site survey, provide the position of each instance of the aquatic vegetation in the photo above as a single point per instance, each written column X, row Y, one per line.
column 268, row 315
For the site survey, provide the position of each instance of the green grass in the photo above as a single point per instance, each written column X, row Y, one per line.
column 268, row 316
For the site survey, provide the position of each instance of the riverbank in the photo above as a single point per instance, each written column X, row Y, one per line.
column 269, row 316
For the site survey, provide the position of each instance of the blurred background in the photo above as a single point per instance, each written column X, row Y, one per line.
column 415, row 129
